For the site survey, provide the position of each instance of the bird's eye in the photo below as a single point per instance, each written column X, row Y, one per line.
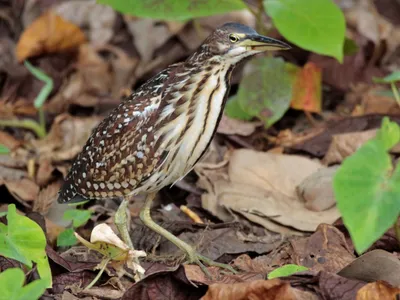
column 233, row 38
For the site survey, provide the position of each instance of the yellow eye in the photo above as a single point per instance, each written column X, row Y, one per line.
column 233, row 38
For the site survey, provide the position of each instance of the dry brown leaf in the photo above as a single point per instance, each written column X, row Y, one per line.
column 373, row 266
column 345, row 144
column 262, row 186
column 24, row 189
column 325, row 250
column 378, row 290
column 9, row 141
column 274, row 289
column 234, row 126
column 46, row 198
column 49, row 34
column 96, row 19
column 317, row 190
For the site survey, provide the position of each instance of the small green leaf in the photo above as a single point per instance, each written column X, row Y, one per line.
column 67, row 238
column 233, row 110
column 367, row 188
column 24, row 240
column 266, row 92
column 350, row 47
column 78, row 217
column 395, row 76
column 315, row 25
column 174, row 9
column 4, row 149
column 11, row 286
column 46, row 90
column 286, row 270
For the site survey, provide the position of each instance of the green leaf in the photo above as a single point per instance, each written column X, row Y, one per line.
column 367, row 189
column 174, row 9
column 286, row 270
column 46, row 90
column 67, row 238
column 24, row 240
column 315, row 25
column 78, row 217
column 233, row 110
column 350, row 47
column 11, row 286
column 266, row 92
column 4, row 149
column 395, row 76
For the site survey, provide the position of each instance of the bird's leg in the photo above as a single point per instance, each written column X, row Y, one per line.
column 122, row 220
column 191, row 253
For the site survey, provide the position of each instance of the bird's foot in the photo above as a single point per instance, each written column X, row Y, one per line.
column 200, row 260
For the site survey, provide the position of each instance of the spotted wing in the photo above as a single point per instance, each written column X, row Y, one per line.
column 121, row 152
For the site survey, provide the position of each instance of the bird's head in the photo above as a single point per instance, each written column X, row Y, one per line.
column 234, row 42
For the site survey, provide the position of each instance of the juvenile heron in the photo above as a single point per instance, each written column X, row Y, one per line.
column 157, row 134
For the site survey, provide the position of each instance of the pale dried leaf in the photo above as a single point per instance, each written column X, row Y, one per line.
column 24, row 189
column 235, row 126
column 264, row 185
column 378, row 290
column 317, row 190
column 346, row 144
column 46, row 198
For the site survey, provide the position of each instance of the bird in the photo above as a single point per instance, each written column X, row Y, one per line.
column 155, row 136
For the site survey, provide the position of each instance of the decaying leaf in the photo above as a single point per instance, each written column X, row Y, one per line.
column 262, row 187
column 256, row 290
column 24, row 189
column 46, row 198
column 307, row 89
column 374, row 266
column 49, row 33
column 235, row 126
column 378, row 290
column 316, row 190
column 326, row 250
column 344, row 145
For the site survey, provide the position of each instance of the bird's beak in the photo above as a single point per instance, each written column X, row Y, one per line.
column 263, row 43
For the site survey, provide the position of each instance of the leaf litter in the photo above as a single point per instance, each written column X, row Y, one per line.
column 263, row 207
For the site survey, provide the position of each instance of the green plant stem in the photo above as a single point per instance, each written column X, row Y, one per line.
column 395, row 92
column 103, row 267
column 39, row 130
column 397, row 230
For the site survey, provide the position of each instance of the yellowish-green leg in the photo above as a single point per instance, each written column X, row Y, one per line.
column 122, row 220
column 192, row 255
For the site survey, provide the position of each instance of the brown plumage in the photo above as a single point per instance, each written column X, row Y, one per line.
column 156, row 136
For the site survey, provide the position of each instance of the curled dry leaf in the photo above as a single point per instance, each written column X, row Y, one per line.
column 50, row 33
column 346, row 144
column 256, row 290
column 24, row 189
column 374, row 265
column 378, row 290
column 46, row 198
column 235, row 126
column 325, row 250
column 262, row 187
column 316, row 190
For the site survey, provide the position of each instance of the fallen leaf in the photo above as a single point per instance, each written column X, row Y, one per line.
column 97, row 20
column 50, row 33
column 164, row 285
column 325, row 250
column 372, row 266
column 307, row 89
column 378, row 290
column 67, row 280
column 9, row 141
column 46, row 198
column 318, row 145
column 24, row 189
column 346, row 144
column 262, row 185
column 255, row 290
column 235, row 126
column 316, row 190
